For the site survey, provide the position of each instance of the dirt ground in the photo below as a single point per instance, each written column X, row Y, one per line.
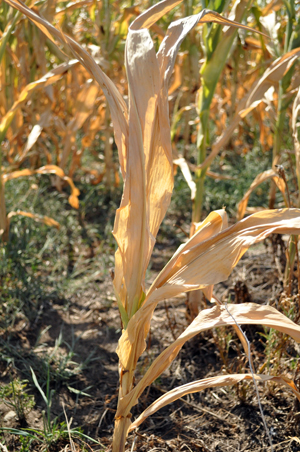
column 222, row 419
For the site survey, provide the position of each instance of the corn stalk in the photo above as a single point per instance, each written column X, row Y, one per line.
column 217, row 48
column 291, row 41
column 142, row 135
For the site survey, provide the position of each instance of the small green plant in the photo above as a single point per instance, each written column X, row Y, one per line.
column 49, row 426
column 58, row 365
column 14, row 396
column 53, row 430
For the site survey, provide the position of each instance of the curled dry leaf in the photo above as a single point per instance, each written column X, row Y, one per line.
column 47, row 169
column 199, row 264
column 247, row 313
column 260, row 178
column 41, row 219
column 182, row 163
column 213, row 382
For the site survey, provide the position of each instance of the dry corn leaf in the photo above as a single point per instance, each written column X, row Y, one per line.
column 216, row 222
column 41, row 219
column 148, row 178
column 134, row 11
column 271, row 77
column 47, row 169
column 182, row 163
column 35, row 133
column 212, row 382
column 198, row 265
column 260, row 178
column 247, row 313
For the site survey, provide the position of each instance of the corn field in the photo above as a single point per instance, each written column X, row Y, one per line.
column 145, row 147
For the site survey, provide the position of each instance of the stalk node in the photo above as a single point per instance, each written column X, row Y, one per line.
column 129, row 416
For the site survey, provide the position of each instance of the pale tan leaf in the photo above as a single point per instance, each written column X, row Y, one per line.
column 35, row 133
column 73, row 198
column 247, row 313
column 212, row 382
column 271, row 77
column 53, row 169
column 182, row 163
column 153, row 14
column 135, row 11
column 41, row 219
column 260, row 178
column 209, row 227
column 213, row 229
column 50, row 169
column 201, row 264
column 17, row 174
column 139, row 214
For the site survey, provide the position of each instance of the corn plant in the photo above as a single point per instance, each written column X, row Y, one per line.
column 291, row 42
column 217, row 47
column 142, row 134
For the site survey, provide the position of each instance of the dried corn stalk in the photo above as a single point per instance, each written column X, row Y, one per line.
column 142, row 134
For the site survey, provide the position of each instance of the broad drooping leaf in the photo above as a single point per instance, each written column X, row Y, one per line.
column 202, row 264
column 247, row 313
column 213, row 382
